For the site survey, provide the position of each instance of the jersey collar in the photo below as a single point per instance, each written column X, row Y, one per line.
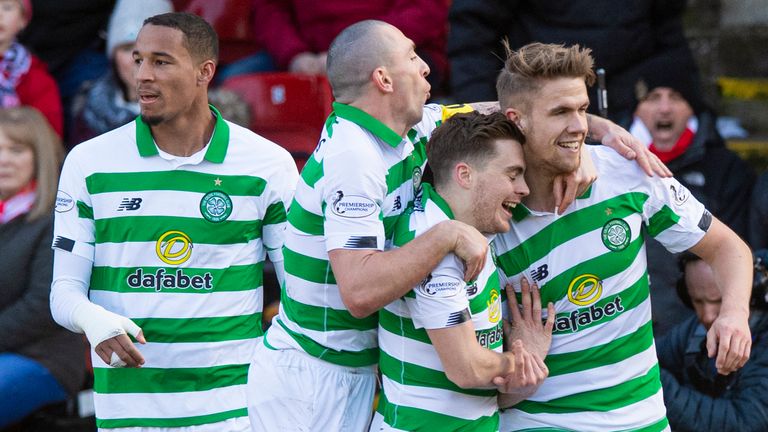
column 429, row 193
column 217, row 149
column 367, row 121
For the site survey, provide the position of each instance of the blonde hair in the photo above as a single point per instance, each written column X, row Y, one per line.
column 25, row 125
column 525, row 69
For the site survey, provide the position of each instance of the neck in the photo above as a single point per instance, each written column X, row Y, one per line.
column 460, row 203
column 186, row 134
column 378, row 108
column 541, row 185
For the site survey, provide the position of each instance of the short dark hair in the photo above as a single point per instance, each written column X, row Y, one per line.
column 470, row 137
column 525, row 68
column 200, row 39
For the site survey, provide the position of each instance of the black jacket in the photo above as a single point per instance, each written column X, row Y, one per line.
column 737, row 402
column 622, row 36
column 25, row 315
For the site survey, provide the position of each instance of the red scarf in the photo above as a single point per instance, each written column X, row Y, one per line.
column 685, row 140
column 19, row 204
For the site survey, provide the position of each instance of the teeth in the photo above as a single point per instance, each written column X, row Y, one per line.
column 569, row 144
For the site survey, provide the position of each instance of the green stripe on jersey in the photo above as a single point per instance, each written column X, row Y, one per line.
column 157, row 380
column 415, row 375
column 365, row 357
column 308, row 268
column 414, row 419
column 217, row 329
column 612, row 352
column 600, row 400
column 171, row 422
column 662, row 220
column 312, row 171
column 275, row 214
column 233, row 278
column 402, row 171
column 402, row 326
column 305, row 221
column 577, row 223
column 150, row 228
column 179, row 180
column 320, row 318
column 84, row 210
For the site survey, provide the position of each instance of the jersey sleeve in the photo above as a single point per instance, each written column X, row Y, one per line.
column 74, row 225
column 440, row 300
column 673, row 215
column 280, row 192
column 353, row 194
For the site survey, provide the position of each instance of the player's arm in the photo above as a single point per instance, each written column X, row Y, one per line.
column 468, row 364
column 731, row 261
column 71, row 308
column 370, row 279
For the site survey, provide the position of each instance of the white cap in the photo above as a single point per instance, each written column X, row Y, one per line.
column 127, row 19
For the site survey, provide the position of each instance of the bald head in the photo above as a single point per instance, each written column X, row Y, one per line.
column 355, row 53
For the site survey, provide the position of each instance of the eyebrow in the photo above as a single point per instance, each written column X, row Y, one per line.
column 515, row 169
column 154, row 53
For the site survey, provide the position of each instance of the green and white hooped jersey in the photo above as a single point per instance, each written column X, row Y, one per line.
column 360, row 178
column 417, row 395
column 178, row 246
column 591, row 263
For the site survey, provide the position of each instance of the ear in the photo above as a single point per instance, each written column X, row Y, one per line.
column 382, row 80
column 205, row 72
column 516, row 116
column 462, row 174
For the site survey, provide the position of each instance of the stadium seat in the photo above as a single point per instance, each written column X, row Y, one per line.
column 289, row 109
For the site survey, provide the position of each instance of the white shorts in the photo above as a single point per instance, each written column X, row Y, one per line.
column 289, row 390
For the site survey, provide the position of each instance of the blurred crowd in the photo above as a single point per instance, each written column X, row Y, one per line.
column 67, row 75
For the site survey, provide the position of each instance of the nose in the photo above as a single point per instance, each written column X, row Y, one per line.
column 578, row 123
column 143, row 71
column 424, row 68
column 665, row 104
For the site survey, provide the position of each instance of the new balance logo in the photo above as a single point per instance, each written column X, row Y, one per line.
column 540, row 273
column 129, row 204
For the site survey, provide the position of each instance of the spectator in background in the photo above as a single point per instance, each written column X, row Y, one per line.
column 110, row 101
column 297, row 33
column 68, row 37
column 234, row 21
column 758, row 214
column 622, row 36
column 679, row 128
column 24, row 79
column 696, row 396
column 40, row 362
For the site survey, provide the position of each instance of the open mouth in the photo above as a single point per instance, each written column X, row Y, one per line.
column 664, row 125
column 509, row 206
column 570, row 145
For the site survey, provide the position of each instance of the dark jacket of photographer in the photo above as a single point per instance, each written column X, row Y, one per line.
column 695, row 399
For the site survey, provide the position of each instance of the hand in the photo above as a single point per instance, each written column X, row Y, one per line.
column 125, row 350
column 526, row 322
column 308, row 63
column 729, row 337
column 567, row 187
column 471, row 247
column 614, row 136
column 527, row 375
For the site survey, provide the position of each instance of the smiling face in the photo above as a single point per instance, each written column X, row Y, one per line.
column 499, row 186
column 555, row 125
column 665, row 113
column 17, row 166
column 409, row 75
column 166, row 75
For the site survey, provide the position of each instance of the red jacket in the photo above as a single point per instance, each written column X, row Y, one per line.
column 290, row 27
column 37, row 89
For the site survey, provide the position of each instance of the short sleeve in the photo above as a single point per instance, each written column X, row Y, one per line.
column 354, row 190
column 440, row 300
column 74, row 225
column 673, row 215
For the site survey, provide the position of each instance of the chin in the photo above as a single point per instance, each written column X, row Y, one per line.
column 152, row 120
